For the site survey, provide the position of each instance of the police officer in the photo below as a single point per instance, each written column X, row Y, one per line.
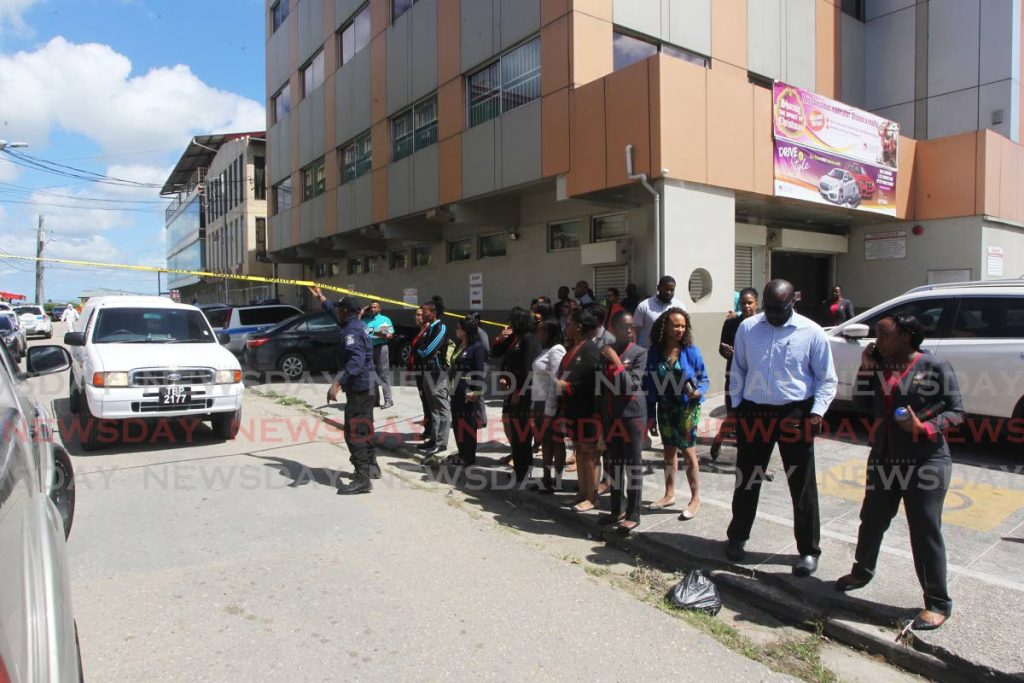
column 355, row 358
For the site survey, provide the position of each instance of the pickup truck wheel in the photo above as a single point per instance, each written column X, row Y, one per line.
column 225, row 425
column 293, row 365
column 63, row 492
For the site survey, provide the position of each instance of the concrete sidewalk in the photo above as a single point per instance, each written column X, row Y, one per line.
column 983, row 520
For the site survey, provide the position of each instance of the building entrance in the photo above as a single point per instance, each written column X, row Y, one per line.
column 809, row 274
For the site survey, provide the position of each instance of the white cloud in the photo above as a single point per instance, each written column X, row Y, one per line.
column 90, row 89
column 12, row 14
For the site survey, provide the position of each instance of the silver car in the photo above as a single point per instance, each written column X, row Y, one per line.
column 839, row 187
column 37, row 632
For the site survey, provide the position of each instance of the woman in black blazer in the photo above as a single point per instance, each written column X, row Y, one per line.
column 915, row 398
column 466, row 386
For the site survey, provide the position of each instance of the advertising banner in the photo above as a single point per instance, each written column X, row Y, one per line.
column 831, row 153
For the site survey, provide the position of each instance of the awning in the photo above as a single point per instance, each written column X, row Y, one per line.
column 11, row 296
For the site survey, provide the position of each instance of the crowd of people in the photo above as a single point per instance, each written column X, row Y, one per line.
column 597, row 379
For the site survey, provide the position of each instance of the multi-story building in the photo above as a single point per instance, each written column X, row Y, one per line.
column 217, row 220
column 421, row 144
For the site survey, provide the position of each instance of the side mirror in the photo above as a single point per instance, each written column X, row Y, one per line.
column 74, row 338
column 45, row 360
column 223, row 338
column 855, row 331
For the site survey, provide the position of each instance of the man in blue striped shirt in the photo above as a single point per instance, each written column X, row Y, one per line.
column 782, row 382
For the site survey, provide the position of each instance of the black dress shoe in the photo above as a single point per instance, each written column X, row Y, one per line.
column 375, row 473
column 851, row 582
column 735, row 552
column 805, row 566
column 427, row 446
column 433, row 450
column 361, row 485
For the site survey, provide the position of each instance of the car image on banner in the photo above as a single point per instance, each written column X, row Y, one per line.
column 822, row 146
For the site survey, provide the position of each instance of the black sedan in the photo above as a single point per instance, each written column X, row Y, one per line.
column 309, row 343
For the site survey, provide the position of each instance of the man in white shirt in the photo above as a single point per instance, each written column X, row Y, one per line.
column 649, row 309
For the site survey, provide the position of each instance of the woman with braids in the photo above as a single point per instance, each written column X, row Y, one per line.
column 577, row 385
column 675, row 383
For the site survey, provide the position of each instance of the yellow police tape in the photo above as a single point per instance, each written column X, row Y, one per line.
column 231, row 276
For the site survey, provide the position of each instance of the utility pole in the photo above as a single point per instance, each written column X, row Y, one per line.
column 40, row 244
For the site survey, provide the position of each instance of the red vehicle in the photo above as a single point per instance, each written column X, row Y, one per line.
column 864, row 182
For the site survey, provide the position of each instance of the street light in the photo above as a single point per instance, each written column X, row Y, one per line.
column 4, row 144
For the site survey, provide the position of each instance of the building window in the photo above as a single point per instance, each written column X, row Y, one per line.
column 328, row 269
column 356, row 35
column 356, row 158
column 356, row 266
column 373, row 263
column 493, row 245
column 278, row 13
column 313, row 74
column 259, row 177
column 313, row 180
column 420, row 256
column 760, row 81
column 282, row 102
column 609, row 227
column 460, row 250
column 400, row 7
column 399, row 260
column 564, row 235
column 503, row 85
column 630, row 50
column 261, row 238
column 854, row 8
column 283, row 195
column 414, row 129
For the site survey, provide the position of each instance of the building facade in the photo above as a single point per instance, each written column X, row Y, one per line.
column 416, row 146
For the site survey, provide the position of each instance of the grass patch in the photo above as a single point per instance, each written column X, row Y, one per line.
column 596, row 571
column 283, row 400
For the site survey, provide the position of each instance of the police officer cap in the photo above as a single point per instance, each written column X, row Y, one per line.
column 348, row 303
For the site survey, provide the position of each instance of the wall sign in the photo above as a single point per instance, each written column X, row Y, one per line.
column 880, row 246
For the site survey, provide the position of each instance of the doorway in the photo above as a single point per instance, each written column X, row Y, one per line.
column 809, row 274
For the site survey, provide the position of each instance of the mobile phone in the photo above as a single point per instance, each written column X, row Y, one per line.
column 875, row 354
column 690, row 387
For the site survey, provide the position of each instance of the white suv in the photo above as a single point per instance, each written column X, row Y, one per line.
column 34, row 320
column 146, row 356
column 977, row 326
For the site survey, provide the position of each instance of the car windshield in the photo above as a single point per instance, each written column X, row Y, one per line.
column 33, row 310
column 151, row 326
column 836, row 173
column 218, row 317
column 5, row 324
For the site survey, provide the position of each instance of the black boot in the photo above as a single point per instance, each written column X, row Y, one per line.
column 360, row 484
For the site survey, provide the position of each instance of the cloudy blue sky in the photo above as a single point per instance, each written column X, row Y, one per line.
column 116, row 87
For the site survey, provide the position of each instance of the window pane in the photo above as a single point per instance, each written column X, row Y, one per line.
column 399, row 259
column 284, row 195
column 610, row 227
column 520, row 75
column 684, row 55
column 401, row 132
column 321, row 178
column 318, row 69
column 426, row 123
column 373, row 264
column 460, row 250
column 362, row 26
column 421, row 256
column 630, row 50
column 348, row 43
column 307, row 80
column 564, row 235
column 485, row 94
column 355, row 266
column 990, row 318
column 493, row 245
column 279, row 13
column 400, row 7
column 928, row 311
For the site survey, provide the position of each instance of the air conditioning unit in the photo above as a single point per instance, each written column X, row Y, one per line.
column 600, row 253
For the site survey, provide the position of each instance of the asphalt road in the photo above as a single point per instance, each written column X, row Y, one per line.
column 236, row 561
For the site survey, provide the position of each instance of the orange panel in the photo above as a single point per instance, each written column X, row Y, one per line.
column 986, row 164
column 587, row 139
column 332, row 168
column 449, row 40
column 938, row 191
column 450, row 113
column 826, row 57
column 654, row 104
column 328, row 29
column 380, row 142
column 764, row 146
column 449, row 162
column 554, row 56
column 379, row 189
column 600, row 9
column 296, row 214
column 552, row 9
column 293, row 126
column 905, row 178
column 729, row 31
column 592, row 53
column 554, row 114
column 627, row 121
column 730, row 131
column 683, row 120
column 378, row 78
column 330, row 211
column 380, row 16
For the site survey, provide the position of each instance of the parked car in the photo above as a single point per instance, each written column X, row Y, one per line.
column 36, row 509
column 35, row 320
column 147, row 356
column 56, row 312
column 11, row 338
column 310, row 343
column 238, row 321
column 977, row 326
column 19, row 329
column 839, row 187
column 864, row 182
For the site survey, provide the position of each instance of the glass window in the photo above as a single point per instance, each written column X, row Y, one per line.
column 400, row 7
column 990, row 318
column 460, row 250
column 928, row 311
column 314, row 181
column 853, row 8
column 265, row 315
column 609, row 227
column 356, row 35
column 565, row 235
column 629, row 50
column 278, row 13
column 420, row 256
column 259, row 180
column 493, row 245
column 399, row 259
column 356, row 266
column 356, row 158
column 402, row 139
column 690, row 57
column 426, row 122
column 313, row 74
column 261, row 237
column 510, row 82
column 373, row 263
column 282, row 102
column 414, row 129
column 283, row 195
column 321, row 323
column 158, row 325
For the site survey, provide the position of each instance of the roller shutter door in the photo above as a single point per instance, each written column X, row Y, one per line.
column 744, row 265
